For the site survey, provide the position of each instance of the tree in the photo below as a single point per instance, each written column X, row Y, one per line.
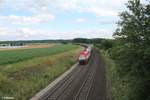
column 132, row 52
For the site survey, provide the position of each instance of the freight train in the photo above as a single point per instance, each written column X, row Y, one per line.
column 85, row 55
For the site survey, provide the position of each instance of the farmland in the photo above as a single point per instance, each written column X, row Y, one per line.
column 8, row 57
column 25, row 72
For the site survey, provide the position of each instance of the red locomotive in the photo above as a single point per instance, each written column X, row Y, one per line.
column 84, row 56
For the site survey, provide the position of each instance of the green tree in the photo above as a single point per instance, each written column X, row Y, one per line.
column 132, row 52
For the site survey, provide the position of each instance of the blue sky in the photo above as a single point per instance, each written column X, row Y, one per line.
column 58, row 19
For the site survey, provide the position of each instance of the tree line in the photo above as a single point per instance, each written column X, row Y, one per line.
column 99, row 41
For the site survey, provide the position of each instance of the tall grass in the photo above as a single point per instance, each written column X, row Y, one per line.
column 117, row 88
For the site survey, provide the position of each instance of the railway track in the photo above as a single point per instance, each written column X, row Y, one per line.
column 78, row 85
column 58, row 91
column 85, row 89
column 63, row 83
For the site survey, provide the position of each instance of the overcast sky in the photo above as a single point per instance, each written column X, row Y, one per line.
column 58, row 19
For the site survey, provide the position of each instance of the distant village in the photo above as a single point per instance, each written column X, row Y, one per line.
column 12, row 44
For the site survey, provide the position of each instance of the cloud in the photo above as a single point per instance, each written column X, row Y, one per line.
column 108, row 21
column 80, row 20
column 1, row 3
column 4, row 31
column 98, row 7
column 101, row 12
column 22, row 34
column 99, row 33
column 36, row 19
column 28, row 33
column 34, row 34
column 36, row 12
column 7, row 34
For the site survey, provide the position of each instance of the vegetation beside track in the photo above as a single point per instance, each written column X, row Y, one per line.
column 129, row 71
column 23, row 79
column 118, row 88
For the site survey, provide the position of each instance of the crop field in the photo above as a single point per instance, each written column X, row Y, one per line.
column 9, row 57
column 25, row 72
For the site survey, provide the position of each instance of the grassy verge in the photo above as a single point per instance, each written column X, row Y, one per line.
column 23, row 79
column 118, row 88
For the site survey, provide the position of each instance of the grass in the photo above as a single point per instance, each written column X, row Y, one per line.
column 118, row 88
column 110, row 74
column 23, row 79
column 13, row 56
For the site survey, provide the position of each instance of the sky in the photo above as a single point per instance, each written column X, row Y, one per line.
column 58, row 19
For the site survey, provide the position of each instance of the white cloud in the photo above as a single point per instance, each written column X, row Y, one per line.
column 36, row 19
column 101, row 12
column 100, row 33
column 4, row 31
column 22, row 34
column 108, row 21
column 98, row 7
column 80, row 20
column 43, row 11
column 28, row 33
column 33, row 34
column 7, row 34
column 1, row 1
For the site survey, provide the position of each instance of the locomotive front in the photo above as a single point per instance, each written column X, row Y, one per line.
column 84, row 56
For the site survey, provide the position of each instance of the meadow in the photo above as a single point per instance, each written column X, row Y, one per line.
column 33, row 69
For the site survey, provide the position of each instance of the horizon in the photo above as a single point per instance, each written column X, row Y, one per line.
column 53, row 39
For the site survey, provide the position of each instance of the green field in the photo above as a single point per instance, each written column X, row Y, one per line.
column 9, row 57
column 33, row 69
